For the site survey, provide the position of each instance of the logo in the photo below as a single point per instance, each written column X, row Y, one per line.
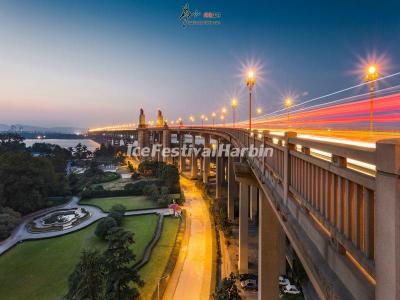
column 189, row 151
column 196, row 18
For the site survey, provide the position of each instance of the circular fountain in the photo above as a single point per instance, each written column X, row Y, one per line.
column 58, row 220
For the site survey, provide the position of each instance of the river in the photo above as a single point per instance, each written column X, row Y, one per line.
column 65, row 143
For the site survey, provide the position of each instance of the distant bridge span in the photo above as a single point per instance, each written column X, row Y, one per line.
column 338, row 205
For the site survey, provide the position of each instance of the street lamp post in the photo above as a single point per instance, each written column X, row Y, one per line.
column 371, row 76
column 234, row 105
column 223, row 120
column 213, row 115
column 288, row 104
column 251, row 80
column 202, row 119
column 191, row 118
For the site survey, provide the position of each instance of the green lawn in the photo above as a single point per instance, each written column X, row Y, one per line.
column 40, row 269
column 130, row 202
column 154, row 269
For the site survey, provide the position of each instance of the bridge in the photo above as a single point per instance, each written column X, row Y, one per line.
column 335, row 204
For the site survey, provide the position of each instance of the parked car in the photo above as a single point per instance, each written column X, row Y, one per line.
column 283, row 281
column 244, row 277
column 291, row 289
column 249, row 285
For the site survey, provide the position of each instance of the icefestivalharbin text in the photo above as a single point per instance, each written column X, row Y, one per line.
column 188, row 151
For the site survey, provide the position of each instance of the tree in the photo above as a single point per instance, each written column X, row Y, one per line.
column 151, row 191
column 26, row 182
column 164, row 197
column 148, row 168
column 9, row 219
column 117, row 212
column 228, row 289
column 11, row 142
column 87, row 280
column 118, row 258
column 169, row 174
column 104, row 226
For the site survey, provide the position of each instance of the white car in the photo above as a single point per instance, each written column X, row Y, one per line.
column 291, row 289
column 283, row 281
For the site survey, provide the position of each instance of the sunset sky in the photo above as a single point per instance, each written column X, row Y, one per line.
column 91, row 63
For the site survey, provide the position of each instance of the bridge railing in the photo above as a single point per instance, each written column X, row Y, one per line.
column 337, row 195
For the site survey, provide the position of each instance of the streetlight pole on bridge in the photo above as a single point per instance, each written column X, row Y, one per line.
column 251, row 80
column 371, row 76
column 234, row 105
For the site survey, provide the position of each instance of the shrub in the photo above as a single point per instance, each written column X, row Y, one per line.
column 164, row 198
column 9, row 219
column 151, row 191
column 227, row 289
column 99, row 188
column 117, row 213
column 104, row 226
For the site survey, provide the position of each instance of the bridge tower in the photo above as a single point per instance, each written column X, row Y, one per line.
column 160, row 118
column 142, row 119
column 143, row 136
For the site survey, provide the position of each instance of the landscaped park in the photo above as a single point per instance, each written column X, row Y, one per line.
column 113, row 213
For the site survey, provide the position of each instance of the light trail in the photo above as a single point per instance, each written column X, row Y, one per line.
column 380, row 92
column 332, row 94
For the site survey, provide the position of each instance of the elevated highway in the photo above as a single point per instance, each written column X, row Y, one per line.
column 336, row 203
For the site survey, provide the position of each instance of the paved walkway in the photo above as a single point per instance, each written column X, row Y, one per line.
column 191, row 279
column 22, row 234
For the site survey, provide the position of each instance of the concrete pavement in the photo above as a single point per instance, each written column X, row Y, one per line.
column 191, row 279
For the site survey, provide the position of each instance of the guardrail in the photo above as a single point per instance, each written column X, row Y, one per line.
column 339, row 199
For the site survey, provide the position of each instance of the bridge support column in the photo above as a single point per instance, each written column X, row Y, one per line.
column 143, row 138
column 253, row 202
column 206, row 160
column 182, row 157
column 271, row 251
column 243, row 264
column 166, row 140
column 218, row 176
column 387, row 217
column 232, row 189
column 194, row 167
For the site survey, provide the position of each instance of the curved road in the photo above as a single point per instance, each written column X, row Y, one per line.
column 191, row 279
column 22, row 234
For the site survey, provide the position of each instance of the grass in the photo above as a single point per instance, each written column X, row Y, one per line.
column 130, row 202
column 40, row 269
column 154, row 269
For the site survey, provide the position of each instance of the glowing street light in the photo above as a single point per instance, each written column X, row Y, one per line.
column 223, row 110
column 371, row 76
column 191, row 119
column 251, row 81
column 202, row 117
column 213, row 115
column 288, row 105
column 234, row 105
column 179, row 121
column 259, row 111
column 223, row 119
